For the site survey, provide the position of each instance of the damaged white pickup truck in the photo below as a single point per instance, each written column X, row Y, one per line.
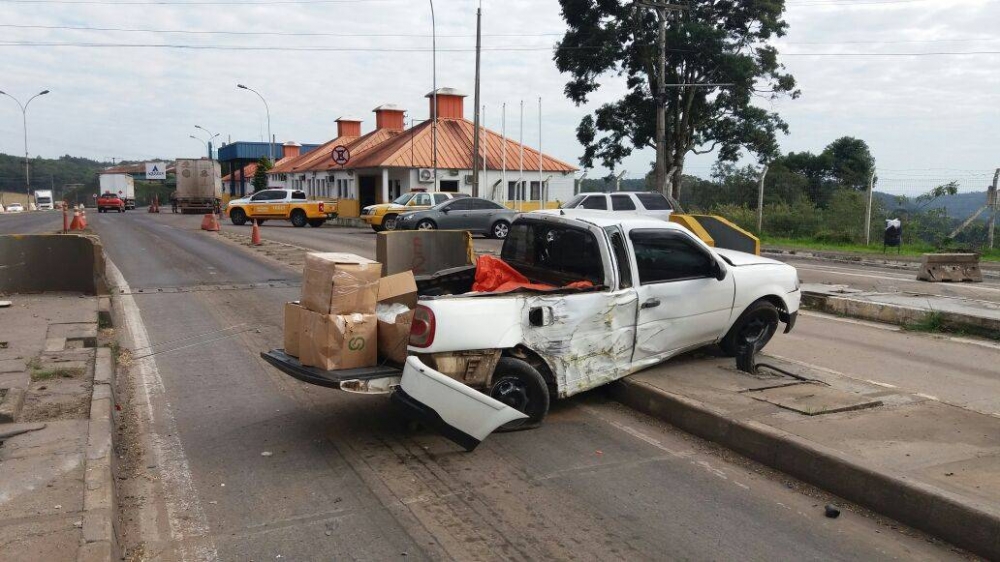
column 633, row 292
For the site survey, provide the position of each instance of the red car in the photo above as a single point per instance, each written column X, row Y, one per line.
column 110, row 202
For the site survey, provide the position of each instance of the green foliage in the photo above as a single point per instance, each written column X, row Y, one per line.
column 260, row 175
column 710, row 42
column 49, row 174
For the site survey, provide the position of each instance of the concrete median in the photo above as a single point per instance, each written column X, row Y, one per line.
column 723, row 406
column 51, row 263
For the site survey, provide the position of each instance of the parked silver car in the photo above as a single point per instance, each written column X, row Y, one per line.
column 477, row 215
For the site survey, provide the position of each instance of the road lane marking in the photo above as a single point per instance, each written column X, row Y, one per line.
column 866, row 323
column 185, row 516
column 927, row 396
column 882, row 384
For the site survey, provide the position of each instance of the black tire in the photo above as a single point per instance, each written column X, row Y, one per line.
column 756, row 326
column 520, row 386
column 500, row 230
column 121, row 210
column 260, row 222
column 377, row 228
column 426, row 224
column 316, row 223
column 299, row 218
column 238, row 216
column 389, row 222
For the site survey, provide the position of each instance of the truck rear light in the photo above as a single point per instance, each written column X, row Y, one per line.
column 423, row 327
column 321, row 207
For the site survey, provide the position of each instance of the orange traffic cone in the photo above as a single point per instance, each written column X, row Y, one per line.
column 210, row 222
column 76, row 224
column 255, row 234
column 83, row 219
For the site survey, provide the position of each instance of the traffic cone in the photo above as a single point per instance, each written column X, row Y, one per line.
column 255, row 234
column 210, row 222
column 83, row 219
column 76, row 224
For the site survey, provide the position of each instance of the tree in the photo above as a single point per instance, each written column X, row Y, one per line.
column 260, row 175
column 717, row 41
column 851, row 163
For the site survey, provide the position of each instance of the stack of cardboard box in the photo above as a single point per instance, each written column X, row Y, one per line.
column 334, row 326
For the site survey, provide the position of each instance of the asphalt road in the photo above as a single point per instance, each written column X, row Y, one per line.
column 251, row 464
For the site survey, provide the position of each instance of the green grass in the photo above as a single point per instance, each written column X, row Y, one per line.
column 875, row 249
column 48, row 374
column 934, row 323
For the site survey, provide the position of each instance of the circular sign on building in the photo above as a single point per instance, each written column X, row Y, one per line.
column 341, row 155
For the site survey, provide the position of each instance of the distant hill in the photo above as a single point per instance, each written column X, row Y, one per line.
column 958, row 206
column 48, row 173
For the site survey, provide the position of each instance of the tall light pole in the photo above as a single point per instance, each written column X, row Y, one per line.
column 270, row 139
column 434, row 93
column 24, row 120
column 211, row 138
column 202, row 141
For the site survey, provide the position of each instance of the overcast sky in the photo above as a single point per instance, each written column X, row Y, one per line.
column 928, row 119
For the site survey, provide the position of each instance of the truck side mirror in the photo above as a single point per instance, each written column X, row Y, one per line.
column 718, row 270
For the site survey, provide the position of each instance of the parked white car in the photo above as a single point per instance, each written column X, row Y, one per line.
column 647, row 290
column 646, row 203
column 15, row 208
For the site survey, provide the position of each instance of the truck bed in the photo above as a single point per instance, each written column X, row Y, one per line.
column 330, row 379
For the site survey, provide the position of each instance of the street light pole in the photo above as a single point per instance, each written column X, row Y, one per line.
column 211, row 137
column 24, row 122
column 200, row 140
column 434, row 110
column 270, row 139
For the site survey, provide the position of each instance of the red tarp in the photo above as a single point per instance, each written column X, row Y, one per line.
column 493, row 275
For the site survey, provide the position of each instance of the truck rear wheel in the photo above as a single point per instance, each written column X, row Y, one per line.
column 518, row 385
column 238, row 216
column 298, row 218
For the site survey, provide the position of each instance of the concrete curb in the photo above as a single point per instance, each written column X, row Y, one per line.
column 903, row 263
column 99, row 501
column 11, row 404
column 896, row 314
column 935, row 511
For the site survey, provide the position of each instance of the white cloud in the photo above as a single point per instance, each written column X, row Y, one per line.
column 919, row 114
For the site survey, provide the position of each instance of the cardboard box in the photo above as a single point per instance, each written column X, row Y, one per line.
column 293, row 327
column 397, row 299
column 338, row 341
column 336, row 283
column 423, row 252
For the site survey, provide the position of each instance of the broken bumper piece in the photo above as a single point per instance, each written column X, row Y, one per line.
column 455, row 410
column 364, row 380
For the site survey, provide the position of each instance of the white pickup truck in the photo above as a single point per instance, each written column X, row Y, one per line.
column 479, row 361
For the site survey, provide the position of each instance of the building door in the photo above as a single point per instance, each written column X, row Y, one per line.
column 450, row 186
column 367, row 186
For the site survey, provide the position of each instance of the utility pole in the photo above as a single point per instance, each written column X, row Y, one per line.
column 760, row 201
column 991, row 201
column 475, row 126
column 24, row 120
column 868, row 208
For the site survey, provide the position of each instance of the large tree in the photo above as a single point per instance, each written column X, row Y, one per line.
column 259, row 181
column 710, row 41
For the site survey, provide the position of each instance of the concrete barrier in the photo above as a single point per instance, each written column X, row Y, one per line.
column 51, row 263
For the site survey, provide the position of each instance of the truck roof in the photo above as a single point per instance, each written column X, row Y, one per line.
column 606, row 218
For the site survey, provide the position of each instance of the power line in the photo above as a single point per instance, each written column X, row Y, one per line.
column 274, row 33
column 274, row 48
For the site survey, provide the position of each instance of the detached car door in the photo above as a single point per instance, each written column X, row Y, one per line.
column 683, row 303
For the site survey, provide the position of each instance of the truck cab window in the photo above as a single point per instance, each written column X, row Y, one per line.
column 621, row 257
column 662, row 255
column 553, row 254
column 298, row 195
column 598, row 202
column 622, row 203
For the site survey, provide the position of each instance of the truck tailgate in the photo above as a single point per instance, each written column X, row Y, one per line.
column 331, row 379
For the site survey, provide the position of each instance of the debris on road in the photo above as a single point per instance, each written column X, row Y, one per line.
column 831, row 511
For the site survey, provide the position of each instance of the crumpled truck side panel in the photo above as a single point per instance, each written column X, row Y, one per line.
column 588, row 341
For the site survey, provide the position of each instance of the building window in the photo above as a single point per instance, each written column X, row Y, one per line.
column 536, row 191
column 515, row 192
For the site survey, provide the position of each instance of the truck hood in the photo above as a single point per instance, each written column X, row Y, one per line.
column 239, row 201
column 739, row 259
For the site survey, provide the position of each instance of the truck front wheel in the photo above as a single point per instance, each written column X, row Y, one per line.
column 298, row 218
column 518, row 385
column 755, row 326
column 238, row 216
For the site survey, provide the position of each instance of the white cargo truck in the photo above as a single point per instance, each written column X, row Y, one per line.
column 121, row 185
column 43, row 200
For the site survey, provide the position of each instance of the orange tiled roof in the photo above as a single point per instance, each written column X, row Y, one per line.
column 414, row 148
column 248, row 171
column 319, row 160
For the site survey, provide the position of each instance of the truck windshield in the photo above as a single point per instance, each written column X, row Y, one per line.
column 403, row 199
column 43, row 200
column 553, row 253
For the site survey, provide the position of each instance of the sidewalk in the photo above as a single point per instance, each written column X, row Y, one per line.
column 930, row 465
column 991, row 269
column 975, row 316
column 55, row 433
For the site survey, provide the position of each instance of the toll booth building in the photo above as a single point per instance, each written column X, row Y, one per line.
column 392, row 160
column 239, row 163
